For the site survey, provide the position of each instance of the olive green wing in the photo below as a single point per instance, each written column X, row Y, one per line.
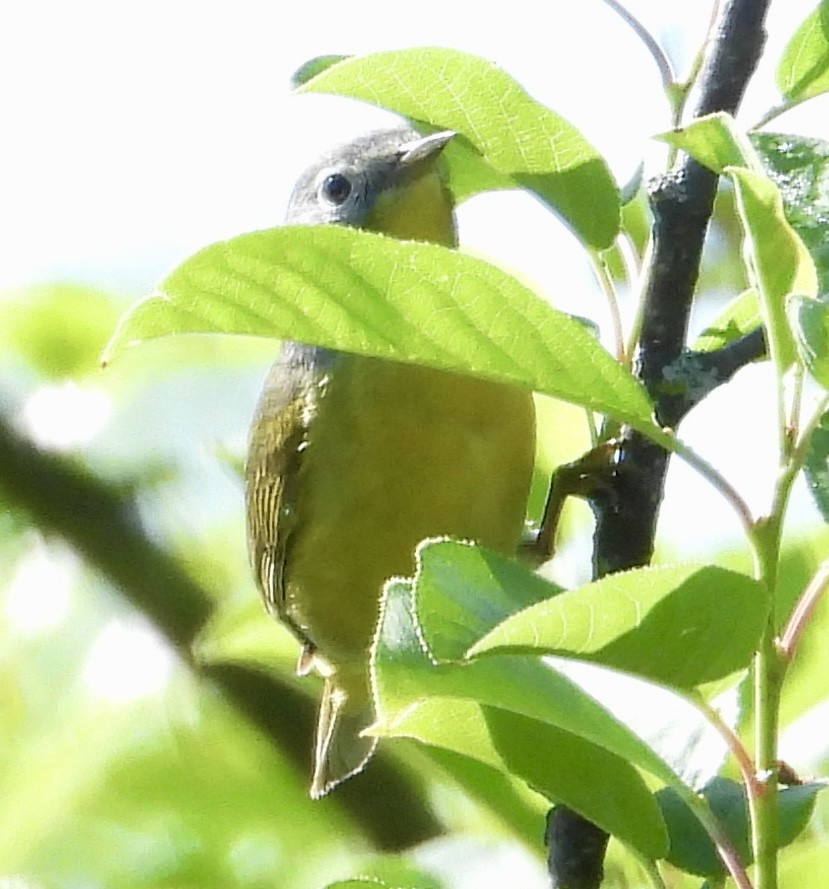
column 277, row 438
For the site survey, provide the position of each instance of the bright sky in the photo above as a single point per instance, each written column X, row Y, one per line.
column 136, row 132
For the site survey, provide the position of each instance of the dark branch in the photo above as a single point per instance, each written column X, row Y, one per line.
column 697, row 374
column 626, row 505
column 682, row 201
column 102, row 524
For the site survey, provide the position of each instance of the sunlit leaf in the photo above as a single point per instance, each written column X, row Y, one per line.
column 405, row 673
column 739, row 317
column 803, row 71
column 464, row 591
column 709, row 619
column 361, row 292
column 715, row 141
column 518, row 141
column 778, row 262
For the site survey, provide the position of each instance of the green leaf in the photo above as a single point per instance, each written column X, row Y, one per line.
column 709, row 619
column 691, row 848
column 563, row 767
column 803, row 71
column 715, row 141
column 516, row 140
column 816, row 467
column 504, row 801
column 463, row 591
column 361, row 292
column 799, row 167
column 58, row 328
column 405, row 672
column 441, row 704
column 779, row 264
column 810, row 324
column 739, row 317
column 312, row 68
column 358, row 884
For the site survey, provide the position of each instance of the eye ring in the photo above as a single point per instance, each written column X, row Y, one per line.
column 335, row 188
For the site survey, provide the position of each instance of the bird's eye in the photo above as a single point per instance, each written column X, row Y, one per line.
column 335, row 188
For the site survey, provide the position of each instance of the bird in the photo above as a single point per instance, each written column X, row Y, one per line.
column 353, row 460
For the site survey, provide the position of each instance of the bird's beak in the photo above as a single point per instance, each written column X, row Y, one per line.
column 426, row 148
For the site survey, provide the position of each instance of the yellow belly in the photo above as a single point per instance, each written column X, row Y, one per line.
column 397, row 453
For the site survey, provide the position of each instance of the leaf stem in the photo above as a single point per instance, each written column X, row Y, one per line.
column 639, row 286
column 793, row 422
column 769, row 671
column 779, row 109
column 735, row 745
column 718, row 481
column 663, row 63
column 803, row 611
column 606, row 283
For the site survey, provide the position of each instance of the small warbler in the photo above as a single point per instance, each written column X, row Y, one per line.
column 354, row 460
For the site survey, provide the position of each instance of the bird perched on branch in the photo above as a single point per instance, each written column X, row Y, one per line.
column 354, row 460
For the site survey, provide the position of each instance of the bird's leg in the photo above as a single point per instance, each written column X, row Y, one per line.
column 586, row 477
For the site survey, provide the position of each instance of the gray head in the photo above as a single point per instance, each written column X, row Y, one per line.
column 345, row 185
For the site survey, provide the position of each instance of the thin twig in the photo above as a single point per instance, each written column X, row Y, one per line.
column 719, row 482
column 777, row 110
column 663, row 63
column 602, row 273
column 803, row 611
column 735, row 745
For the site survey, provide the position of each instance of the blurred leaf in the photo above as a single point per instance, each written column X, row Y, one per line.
column 393, row 871
column 59, row 328
column 778, row 262
column 517, row 139
column 810, row 325
column 692, row 850
column 803, row 70
column 799, row 167
column 806, row 864
column 739, row 317
column 360, row 292
column 715, row 141
column 801, row 558
column 312, row 68
column 176, row 788
column 358, row 884
column 504, row 797
column 240, row 630
column 710, row 620
column 816, row 467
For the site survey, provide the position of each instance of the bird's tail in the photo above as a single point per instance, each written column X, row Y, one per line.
column 339, row 749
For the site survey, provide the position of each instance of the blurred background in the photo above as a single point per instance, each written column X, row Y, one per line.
column 134, row 135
